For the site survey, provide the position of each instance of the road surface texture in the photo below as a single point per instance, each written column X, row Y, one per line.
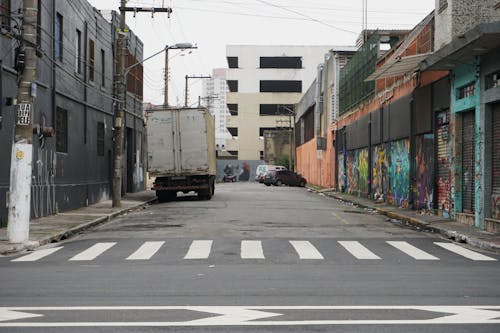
column 252, row 259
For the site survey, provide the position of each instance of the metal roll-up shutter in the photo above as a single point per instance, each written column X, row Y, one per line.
column 495, row 161
column 468, row 158
column 443, row 164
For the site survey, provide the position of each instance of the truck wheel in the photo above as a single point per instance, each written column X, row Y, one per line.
column 278, row 182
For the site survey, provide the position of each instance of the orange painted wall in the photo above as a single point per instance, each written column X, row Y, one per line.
column 319, row 172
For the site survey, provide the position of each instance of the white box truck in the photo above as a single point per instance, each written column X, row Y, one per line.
column 181, row 152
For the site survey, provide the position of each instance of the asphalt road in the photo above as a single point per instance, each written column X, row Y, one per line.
column 253, row 259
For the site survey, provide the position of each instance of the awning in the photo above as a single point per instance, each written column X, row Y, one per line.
column 399, row 66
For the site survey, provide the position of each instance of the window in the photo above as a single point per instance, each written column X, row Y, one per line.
column 103, row 68
column 276, row 109
column 91, row 60
column 233, row 109
column 233, row 131
column 280, row 62
column 5, row 14
column 466, row 91
column 78, row 52
column 233, row 153
column 232, row 62
column 39, row 25
column 233, row 85
column 59, row 37
column 61, row 130
column 492, row 80
column 263, row 129
column 261, row 155
column 280, row 86
column 100, row 139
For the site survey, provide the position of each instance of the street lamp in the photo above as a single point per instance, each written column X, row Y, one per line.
column 181, row 46
column 118, row 133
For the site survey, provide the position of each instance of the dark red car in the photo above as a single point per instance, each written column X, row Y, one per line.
column 279, row 177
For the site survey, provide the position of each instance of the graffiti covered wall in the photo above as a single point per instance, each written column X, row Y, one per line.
column 399, row 173
column 357, row 172
column 424, row 167
column 341, row 173
column 379, row 173
column 241, row 170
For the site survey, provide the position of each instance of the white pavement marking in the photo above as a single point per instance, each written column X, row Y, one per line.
column 464, row 252
column 306, row 250
column 358, row 250
column 253, row 315
column 38, row 254
column 146, row 251
column 252, row 249
column 92, row 252
column 412, row 251
column 199, row 249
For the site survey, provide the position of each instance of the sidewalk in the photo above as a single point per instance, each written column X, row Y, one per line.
column 425, row 222
column 55, row 228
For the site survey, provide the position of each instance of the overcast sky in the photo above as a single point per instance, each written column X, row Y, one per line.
column 213, row 24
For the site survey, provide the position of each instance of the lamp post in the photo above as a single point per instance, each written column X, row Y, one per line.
column 181, row 46
column 118, row 152
column 291, row 115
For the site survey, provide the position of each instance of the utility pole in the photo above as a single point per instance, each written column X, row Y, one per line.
column 186, row 92
column 165, row 86
column 22, row 148
column 121, row 92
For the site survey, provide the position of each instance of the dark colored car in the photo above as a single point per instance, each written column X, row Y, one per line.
column 279, row 177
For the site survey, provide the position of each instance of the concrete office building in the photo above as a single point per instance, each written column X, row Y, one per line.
column 265, row 82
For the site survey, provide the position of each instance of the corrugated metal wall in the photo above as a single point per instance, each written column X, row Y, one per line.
column 468, row 162
column 495, row 168
column 443, row 175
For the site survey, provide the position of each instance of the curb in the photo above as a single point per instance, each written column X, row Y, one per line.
column 57, row 237
column 424, row 226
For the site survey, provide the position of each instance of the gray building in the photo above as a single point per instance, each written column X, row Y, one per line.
column 75, row 95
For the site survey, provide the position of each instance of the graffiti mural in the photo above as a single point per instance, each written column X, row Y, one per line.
column 399, row 173
column 237, row 170
column 357, row 172
column 342, row 173
column 379, row 173
column 424, row 166
column 352, row 173
column 362, row 166
column 443, row 174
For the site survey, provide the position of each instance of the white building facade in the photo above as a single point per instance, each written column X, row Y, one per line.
column 265, row 83
column 214, row 93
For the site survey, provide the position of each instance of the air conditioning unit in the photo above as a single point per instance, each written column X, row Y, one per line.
column 320, row 143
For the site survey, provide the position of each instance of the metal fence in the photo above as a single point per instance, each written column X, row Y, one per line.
column 352, row 86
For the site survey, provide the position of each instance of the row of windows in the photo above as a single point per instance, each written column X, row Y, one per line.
column 62, row 133
column 286, row 86
column 234, row 130
column 267, row 109
column 271, row 62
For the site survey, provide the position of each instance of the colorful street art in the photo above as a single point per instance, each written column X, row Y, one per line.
column 342, row 177
column 379, row 173
column 399, row 173
column 424, row 166
column 357, row 172
column 443, row 174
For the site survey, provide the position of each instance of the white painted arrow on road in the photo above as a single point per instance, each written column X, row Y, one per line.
column 249, row 315
column 6, row 314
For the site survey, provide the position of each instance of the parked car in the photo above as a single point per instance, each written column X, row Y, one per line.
column 262, row 169
column 279, row 177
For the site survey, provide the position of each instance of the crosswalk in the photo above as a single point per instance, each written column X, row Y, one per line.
column 302, row 250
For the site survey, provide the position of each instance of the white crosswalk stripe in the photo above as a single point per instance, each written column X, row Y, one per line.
column 93, row 252
column 306, row 250
column 199, row 249
column 464, row 252
column 146, row 251
column 251, row 249
column 412, row 251
column 358, row 250
column 38, row 254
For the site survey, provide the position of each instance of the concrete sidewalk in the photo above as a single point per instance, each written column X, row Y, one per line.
column 425, row 222
column 55, row 228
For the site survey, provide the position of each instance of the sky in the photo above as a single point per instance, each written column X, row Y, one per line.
column 213, row 24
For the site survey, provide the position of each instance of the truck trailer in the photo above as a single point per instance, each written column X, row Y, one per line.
column 181, row 152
